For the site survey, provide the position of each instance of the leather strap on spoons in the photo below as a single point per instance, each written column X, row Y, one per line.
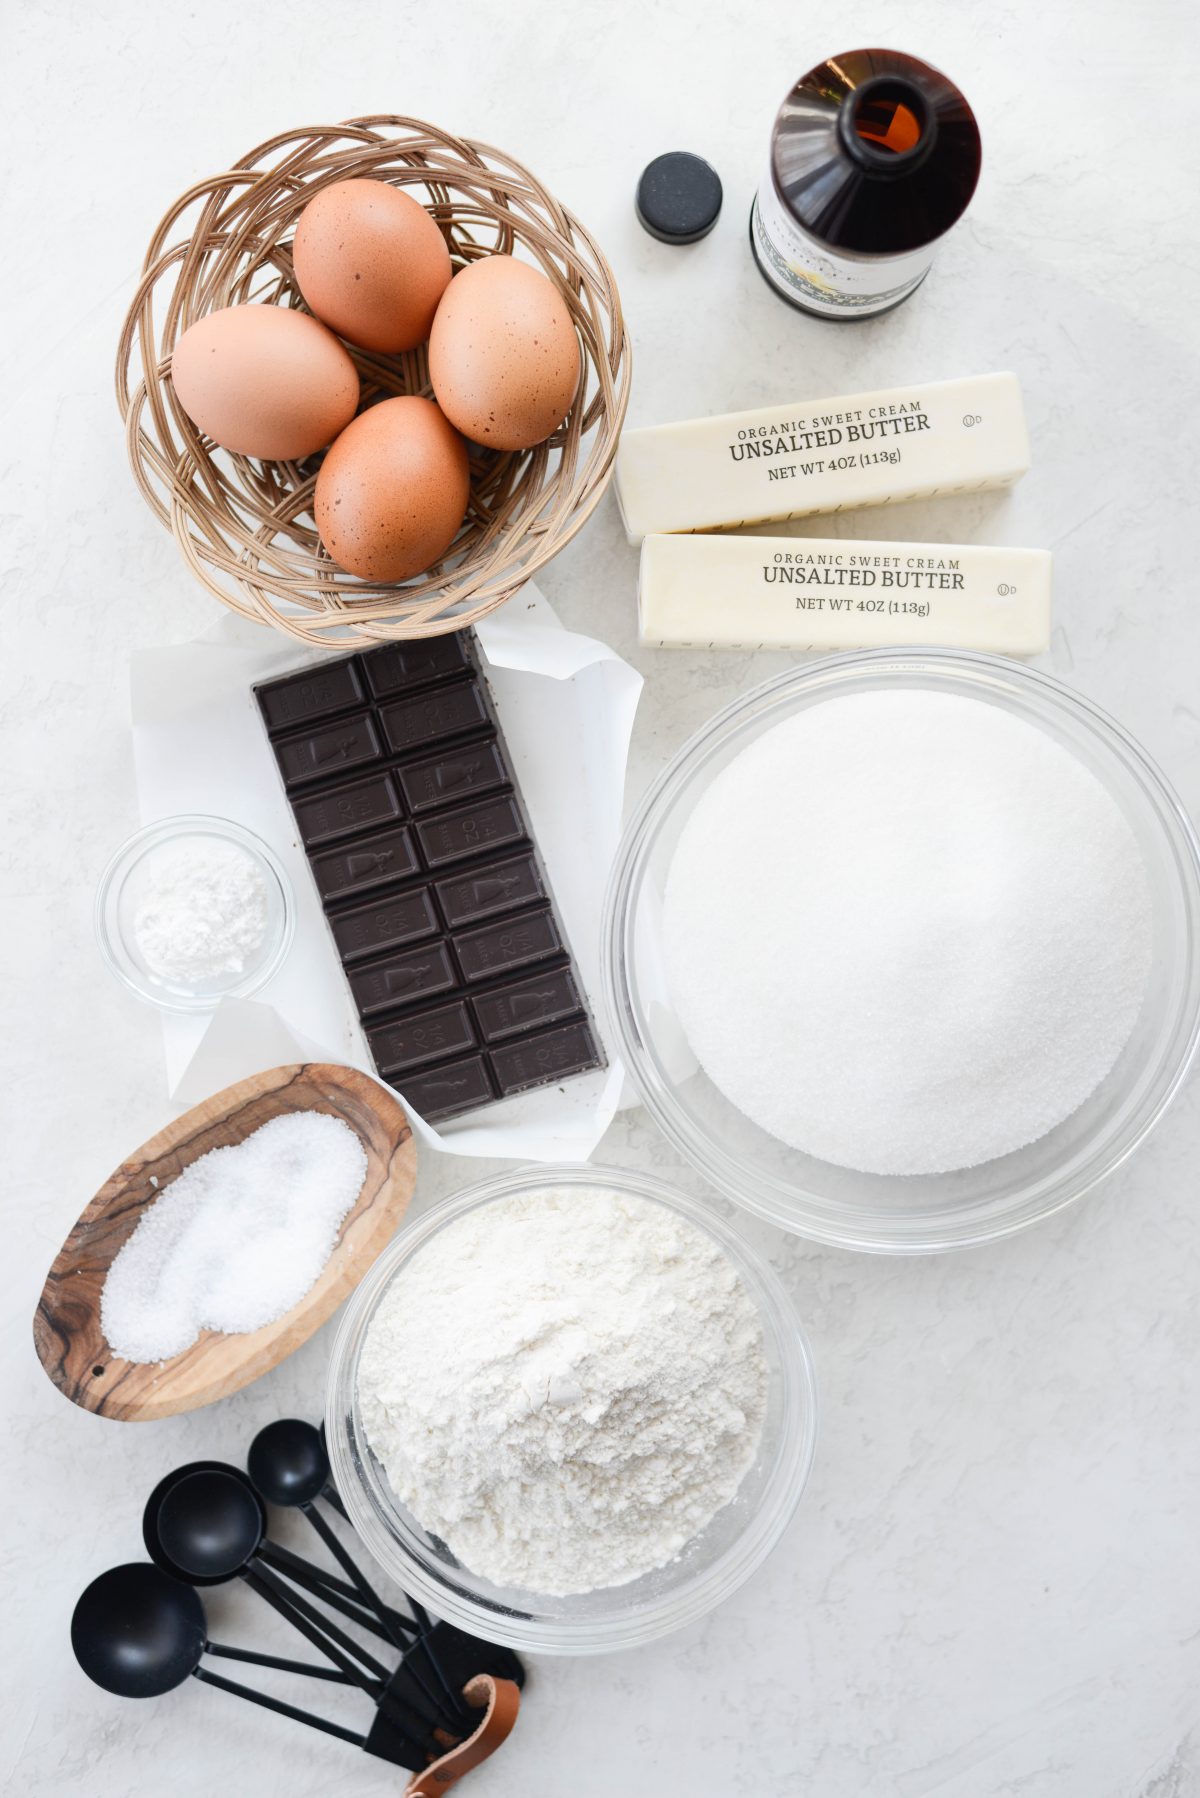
column 500, row 1701
column 289, row 1467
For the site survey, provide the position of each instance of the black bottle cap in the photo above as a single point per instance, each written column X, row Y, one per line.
column 679, row 197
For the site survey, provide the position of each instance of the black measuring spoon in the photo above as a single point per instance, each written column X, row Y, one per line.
column 289, row 1466
column 304, row 1573
column 138, row 1633
column 205, row 1524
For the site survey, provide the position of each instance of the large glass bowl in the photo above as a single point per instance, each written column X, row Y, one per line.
column 909, row 1214
column 712, row 1566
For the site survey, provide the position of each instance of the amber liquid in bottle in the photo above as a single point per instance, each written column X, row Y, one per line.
column 874, row 156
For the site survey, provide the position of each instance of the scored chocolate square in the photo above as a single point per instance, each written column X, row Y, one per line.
column 404, row 800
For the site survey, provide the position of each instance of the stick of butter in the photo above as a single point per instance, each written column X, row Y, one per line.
column 866, row 449
column 834, row 593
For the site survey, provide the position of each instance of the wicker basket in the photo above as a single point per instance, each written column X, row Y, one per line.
column 246, row 527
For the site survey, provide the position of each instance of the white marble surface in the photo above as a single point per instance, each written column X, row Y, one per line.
column 991, row 1587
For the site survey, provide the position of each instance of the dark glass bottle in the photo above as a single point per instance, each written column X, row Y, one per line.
column 874, row 156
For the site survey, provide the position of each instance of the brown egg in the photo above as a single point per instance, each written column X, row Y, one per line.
column 264, row 381
column 503, row 354
column 371, row 262
column 393, row 491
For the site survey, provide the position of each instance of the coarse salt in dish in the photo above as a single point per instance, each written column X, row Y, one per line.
column 236, row 1240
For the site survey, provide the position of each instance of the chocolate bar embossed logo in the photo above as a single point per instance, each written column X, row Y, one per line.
column 428, row 785
column 493, row 886
column 414, row 721
column 370, row 928
column 526, row 1005
column 384, row 857
column 544, row 999
column 398, row 667
column 420, row 974
column 341, row 749
column 457, row 774
column 456, row 835
column 447, row 1086
column 403, row 980
column 507, row 945
column 429, row 1036
column 343, row 810
column 346, row 745
column 361, row 865
column 314, row 696
column 550, row 1057
column 470, row 897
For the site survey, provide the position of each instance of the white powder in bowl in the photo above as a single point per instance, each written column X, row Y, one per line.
column 236, row 1240
column 202, row 912
column 907, row 932
column 565, row 1386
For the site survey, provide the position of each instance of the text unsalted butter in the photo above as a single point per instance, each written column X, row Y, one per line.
column 864, row 449
column 834, row 593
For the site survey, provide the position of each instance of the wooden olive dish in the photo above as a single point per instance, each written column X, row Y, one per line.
column 66, row 1327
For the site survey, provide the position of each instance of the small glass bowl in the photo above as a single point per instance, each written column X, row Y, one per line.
column 886, row 1213
column 713, row 1564
column 123, row 883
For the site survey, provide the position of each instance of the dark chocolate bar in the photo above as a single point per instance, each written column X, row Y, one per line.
column 405, row 803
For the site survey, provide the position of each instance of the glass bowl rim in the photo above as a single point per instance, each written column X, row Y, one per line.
column 702, row 1590
column 791, row 1209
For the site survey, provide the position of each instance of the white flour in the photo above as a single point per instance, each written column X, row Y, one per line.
column 565, row 1386
column 203, row 912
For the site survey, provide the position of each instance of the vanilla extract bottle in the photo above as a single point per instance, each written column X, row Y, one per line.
column 874, row 156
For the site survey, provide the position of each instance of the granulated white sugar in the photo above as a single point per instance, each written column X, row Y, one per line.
column 566, row 1386
column 236, row 1240
column 907, row 932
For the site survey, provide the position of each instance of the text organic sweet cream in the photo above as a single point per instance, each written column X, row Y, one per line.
column 784, row 461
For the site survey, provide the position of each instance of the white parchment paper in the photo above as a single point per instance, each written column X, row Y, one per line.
column 567, row 705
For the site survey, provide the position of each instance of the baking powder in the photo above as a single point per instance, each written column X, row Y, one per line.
column 202, row 913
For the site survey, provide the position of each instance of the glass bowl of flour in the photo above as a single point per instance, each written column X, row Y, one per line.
column 570, row 1409
column 901, row 950
column 192, row 910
